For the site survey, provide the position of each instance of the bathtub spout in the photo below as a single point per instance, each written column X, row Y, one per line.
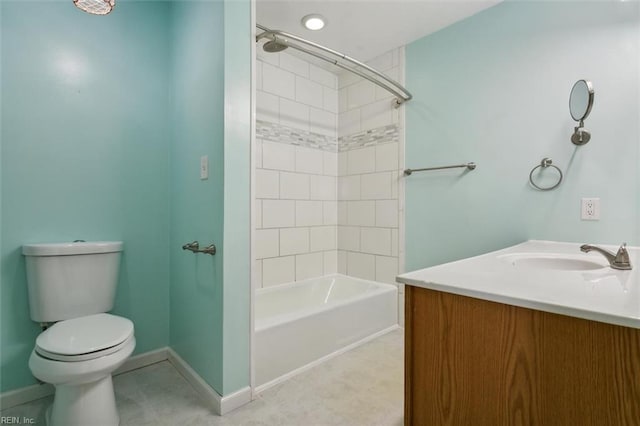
column 620, row 260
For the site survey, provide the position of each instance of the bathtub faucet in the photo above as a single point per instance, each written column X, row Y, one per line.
column 620, row 260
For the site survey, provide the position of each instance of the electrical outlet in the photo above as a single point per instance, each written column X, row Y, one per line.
column 204, row 167
column 590, row 209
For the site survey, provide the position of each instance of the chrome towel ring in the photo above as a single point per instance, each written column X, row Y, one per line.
column 546, row 162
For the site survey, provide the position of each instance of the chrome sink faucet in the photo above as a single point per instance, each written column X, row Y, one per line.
column 620, row 260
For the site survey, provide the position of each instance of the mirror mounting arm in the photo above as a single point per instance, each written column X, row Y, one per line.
column 580, row 136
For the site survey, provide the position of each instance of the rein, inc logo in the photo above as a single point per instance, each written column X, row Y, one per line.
column 15, row 420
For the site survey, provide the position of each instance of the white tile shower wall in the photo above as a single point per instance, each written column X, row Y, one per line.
column 329, row 153
column 297, row 168
column 370, row 164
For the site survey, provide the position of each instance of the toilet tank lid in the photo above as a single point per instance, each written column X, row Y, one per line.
column 66, row 249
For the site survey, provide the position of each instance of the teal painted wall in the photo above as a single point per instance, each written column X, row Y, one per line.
column 494, row 89
column 238, row 42
column 104, row 121
column 85, row 138
column 197, row 205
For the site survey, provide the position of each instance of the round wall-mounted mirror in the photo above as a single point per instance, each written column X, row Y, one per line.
column 581, row 100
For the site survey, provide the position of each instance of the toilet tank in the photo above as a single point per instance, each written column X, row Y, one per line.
column 70, row 280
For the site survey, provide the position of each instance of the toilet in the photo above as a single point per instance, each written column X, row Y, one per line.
column 73, row 286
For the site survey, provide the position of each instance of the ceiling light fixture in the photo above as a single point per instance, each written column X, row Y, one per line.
column 95, row 7
column 313, row 22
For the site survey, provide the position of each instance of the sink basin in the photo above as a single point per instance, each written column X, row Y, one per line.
column 552, row 261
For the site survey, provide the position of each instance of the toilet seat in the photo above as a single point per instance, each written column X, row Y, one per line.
column 84, row 338
column 82, row 357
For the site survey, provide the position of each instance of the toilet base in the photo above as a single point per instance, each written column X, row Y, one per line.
column 84, row 404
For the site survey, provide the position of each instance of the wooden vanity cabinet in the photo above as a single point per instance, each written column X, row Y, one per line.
column 474, row 362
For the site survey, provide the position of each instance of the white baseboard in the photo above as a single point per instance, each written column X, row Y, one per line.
column 31, row 393
column 217, row 403
column 235, row 400
column 142, row 360
column 210, row 396
column 319, row 361
column 23, row 395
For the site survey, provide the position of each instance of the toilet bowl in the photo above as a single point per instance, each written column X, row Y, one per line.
column 72, row 286
column 77, row 356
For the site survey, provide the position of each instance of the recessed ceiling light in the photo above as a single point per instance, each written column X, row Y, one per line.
column 313, row 22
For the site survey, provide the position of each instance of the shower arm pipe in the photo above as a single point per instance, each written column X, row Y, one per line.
column 390, row 85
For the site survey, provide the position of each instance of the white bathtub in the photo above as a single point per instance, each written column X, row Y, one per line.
column 299, row 325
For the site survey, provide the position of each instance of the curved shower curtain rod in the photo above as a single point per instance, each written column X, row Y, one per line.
column 376, row 77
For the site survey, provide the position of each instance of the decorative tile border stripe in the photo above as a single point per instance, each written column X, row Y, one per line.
column 274, row 132
column 385, row 134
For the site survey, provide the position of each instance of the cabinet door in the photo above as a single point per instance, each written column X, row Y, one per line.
column 470, row 361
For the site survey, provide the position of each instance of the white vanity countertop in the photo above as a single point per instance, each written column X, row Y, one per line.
column 543, row 275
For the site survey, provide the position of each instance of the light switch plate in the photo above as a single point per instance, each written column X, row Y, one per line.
column 204, row 167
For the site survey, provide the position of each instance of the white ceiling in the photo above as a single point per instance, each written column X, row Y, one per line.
column 365, row 29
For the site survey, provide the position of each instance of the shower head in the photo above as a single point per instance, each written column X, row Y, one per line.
column 274, row 46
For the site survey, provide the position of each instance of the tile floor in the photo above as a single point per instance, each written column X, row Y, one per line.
column 361, row 387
